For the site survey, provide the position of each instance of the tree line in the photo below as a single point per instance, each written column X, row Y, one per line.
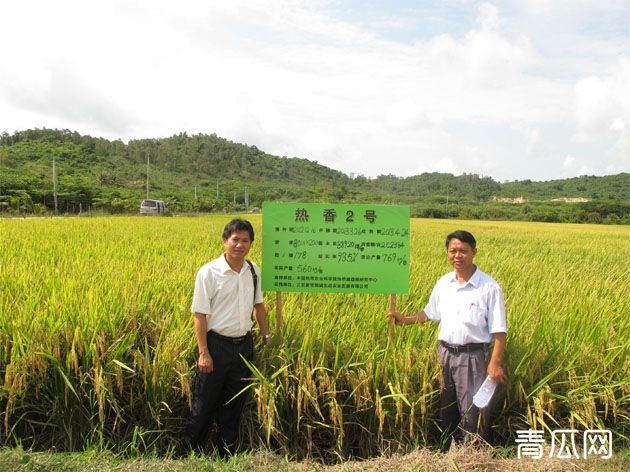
column 207, row 173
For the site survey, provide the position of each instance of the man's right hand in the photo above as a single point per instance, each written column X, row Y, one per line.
column 398, row 318
column 205, row 362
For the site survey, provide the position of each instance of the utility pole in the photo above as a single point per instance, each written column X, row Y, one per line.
column 246, row 198
column 147, row 175
column 54, row 169
column 447, row 205
column 195, row 192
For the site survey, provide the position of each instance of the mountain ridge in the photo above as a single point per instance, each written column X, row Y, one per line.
column 204, row 172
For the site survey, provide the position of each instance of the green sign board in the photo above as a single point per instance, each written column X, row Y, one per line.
column 329, row 247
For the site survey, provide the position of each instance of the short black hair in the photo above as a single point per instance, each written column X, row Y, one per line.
column 463, row 236
column 238, row 224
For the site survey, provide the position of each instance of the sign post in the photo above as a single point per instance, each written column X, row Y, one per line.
column 335, row 248
column 279, row 320
column 391, row 327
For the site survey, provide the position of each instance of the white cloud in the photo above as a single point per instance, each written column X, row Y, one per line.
column 541, row 7
column 488, row 17
column 572, row 167
column 445, row 165
column 293, row 80
column 594, row 107
column 568, row 162
column 68, row 96
column 585, row 170
column 618, row 125
column 602, row 110
column 531, row 136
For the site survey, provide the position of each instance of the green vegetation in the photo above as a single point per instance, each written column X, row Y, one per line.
column 421, row 460
column 97, row 352
column 206, row 173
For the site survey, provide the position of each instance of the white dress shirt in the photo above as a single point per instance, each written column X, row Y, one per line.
column 226, row 297
column 469, row 312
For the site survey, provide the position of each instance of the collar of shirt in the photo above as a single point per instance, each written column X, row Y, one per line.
column 473, row 280
column 225, row 267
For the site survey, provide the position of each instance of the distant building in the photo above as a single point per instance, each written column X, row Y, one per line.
column 508, row 200
column 571, row 200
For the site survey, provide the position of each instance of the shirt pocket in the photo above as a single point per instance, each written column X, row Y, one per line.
column 226, row 290
column 476, row 315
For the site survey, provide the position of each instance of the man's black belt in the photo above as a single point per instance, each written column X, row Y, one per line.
column 457, row 348
column 229, row 339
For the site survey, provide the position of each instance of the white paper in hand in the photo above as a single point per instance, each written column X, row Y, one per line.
column 484, row 394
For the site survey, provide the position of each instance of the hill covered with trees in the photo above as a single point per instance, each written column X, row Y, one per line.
column 201, row 173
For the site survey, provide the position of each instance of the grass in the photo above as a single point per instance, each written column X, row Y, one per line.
column 419, row 460
column 96, row 344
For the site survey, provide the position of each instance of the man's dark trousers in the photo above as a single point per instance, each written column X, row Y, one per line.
column 213, row 394
column 462, row 375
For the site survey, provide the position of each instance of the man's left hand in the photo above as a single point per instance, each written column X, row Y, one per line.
column 496, row 372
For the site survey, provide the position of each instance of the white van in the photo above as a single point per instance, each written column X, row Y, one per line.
column 153, row 207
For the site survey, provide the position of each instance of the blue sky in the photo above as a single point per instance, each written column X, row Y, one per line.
column 522, row 89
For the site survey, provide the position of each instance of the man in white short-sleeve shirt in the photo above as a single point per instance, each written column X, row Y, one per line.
column 227, row 290
column 470, row 308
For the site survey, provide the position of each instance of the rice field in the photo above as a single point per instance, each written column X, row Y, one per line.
column 97, row 346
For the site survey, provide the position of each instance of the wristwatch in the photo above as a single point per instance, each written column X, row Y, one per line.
column 266, row 337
